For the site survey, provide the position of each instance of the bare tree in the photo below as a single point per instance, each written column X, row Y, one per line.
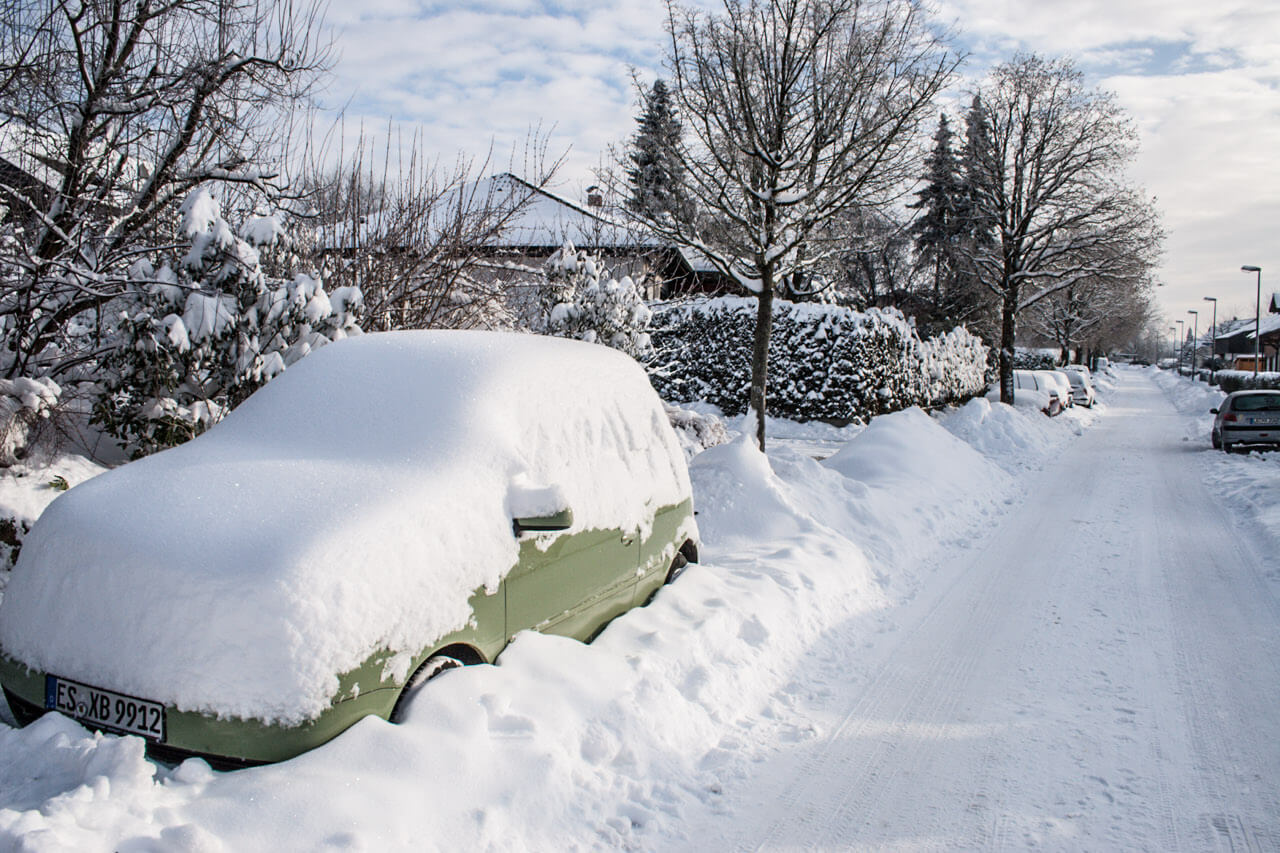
column 1097, row 312
column 1051, row 180
column 112, row 113
column 796, row 111
column 422, row 239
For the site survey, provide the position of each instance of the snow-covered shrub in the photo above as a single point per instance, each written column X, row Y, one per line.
column 696, row 431
column 24, row 404
column 580, row 299
column 208, row 331
column 1236, row 380
column 825, row 362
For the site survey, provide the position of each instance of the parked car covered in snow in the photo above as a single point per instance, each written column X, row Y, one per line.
column 392, row 506
column 1247, row 418
column 1048, row 396
column 1082, row 390
column 1058, row 379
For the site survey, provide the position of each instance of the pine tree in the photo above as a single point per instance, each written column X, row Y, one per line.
column 939, row 226
column 969, row 301
column 656, row 175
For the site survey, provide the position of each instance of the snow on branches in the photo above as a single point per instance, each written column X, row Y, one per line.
column 208, row 330
column 579, row 299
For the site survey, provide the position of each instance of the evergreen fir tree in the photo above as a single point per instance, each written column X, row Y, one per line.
column 655, row 174
column 939, row 225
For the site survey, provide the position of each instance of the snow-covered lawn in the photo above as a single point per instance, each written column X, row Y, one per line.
column 619, row 744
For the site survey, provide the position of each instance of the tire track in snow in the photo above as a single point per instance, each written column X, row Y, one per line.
column 1070, row 702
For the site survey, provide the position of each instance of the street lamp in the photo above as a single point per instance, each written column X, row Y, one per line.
column 1213, row 336
column 1257, row 319
column 1173, row 342
column 1195, row 343
column 1182, row 344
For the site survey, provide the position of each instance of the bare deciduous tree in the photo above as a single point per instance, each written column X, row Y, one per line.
column 1051, row 180
column 796, row 111
column 420, row 239
column 112, row 112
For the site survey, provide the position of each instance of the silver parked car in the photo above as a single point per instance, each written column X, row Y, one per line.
column 1081, row 387
column 1247, row 418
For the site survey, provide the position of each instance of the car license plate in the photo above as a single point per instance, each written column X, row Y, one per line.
column 1264, row 421
column 104, row 708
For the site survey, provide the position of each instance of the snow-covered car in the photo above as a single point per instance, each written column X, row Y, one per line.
column 1059, row 380
column 392, row 506
column 1082, row 390
column 1040, row 381
column 1247, row 418
column 1025, row 382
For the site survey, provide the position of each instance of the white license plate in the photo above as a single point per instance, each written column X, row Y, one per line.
column 104, row 708
column 1264, row 421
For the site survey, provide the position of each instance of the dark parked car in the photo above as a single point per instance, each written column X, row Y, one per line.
column 1247, row 418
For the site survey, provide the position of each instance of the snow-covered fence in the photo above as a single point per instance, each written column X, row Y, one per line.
column 825, row 362
column 1236, row 380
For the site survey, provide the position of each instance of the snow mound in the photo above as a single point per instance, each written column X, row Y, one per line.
column 352, row 504
column 1008, row 435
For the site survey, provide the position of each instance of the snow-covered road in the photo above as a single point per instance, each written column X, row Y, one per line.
column 1101, row 671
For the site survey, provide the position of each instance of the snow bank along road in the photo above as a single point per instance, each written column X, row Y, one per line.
column 982, row 630
column 1102, row 671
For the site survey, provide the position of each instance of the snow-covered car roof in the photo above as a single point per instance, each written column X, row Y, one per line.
column 352, row 504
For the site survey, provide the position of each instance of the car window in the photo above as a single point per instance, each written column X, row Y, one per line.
column 1256, row 403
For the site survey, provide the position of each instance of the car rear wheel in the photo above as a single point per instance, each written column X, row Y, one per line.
column 1215, row 440
column 430, row 668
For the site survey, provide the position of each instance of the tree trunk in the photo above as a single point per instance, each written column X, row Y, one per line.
column 760, row 351
column 1008, row 306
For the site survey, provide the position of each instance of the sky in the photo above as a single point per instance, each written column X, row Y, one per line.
column 1200, row 80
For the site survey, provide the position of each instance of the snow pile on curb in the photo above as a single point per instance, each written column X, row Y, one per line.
column 567, row 746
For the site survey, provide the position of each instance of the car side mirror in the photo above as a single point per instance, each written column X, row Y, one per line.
column 561, row 520
column 1213, row 411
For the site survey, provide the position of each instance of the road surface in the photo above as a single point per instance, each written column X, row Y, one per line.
column 1102, row 671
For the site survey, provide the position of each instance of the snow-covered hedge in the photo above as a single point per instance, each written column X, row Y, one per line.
column 1033, row 360
column 825, row 362
column 1236, row 380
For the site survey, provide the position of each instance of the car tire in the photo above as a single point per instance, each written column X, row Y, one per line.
column 430, row 668
column 1215, row 440
column 678, row 565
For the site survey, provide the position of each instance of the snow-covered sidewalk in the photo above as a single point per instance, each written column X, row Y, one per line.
column 867, row 656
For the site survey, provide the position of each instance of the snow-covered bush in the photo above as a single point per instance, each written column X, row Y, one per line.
column 1236, row 380
column 209, row 330
column 24, row 404
column 825, row 362
column 696, row 431
column 580, row 299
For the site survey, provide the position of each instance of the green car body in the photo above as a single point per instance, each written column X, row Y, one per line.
column 570, row 584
